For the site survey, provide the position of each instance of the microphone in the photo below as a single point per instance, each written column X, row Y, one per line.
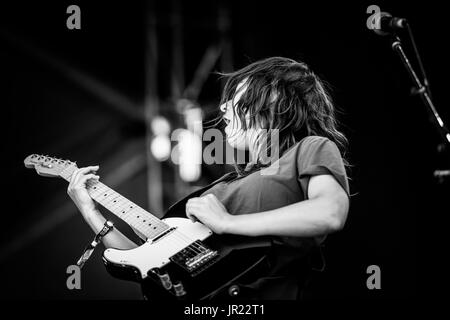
column 387, row 24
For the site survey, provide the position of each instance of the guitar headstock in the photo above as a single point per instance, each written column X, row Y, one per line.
column 47, row 166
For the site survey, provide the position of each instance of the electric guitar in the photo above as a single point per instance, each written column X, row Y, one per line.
column 179, row 258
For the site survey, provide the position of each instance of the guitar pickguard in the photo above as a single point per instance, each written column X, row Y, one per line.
column 157, row 254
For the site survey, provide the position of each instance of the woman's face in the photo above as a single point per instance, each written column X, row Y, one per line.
column 236, row 136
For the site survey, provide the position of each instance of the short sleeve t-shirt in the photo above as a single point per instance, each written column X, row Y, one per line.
column 285, row 181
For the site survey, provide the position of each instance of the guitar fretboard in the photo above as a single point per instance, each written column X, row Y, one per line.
column 141, row 220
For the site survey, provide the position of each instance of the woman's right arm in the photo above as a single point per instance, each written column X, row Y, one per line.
column 80, row 196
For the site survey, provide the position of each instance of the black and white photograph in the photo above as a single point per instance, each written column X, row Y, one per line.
column 223, row 158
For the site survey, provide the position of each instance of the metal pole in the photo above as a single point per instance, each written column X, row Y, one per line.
column 154, row 172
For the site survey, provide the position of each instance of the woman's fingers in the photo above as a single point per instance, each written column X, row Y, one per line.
column 80, row 176
column 189, row 211
column 190, row 215
column 86, row 170
column 82, row 180
column 82, row 171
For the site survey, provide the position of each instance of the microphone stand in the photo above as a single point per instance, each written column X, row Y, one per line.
column 424, row 93
column 421, row 90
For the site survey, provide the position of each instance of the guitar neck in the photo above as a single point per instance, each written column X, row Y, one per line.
column 139, row 219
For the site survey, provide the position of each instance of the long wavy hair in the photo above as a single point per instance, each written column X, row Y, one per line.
column 285, row 95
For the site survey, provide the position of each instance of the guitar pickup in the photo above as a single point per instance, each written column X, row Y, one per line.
column 195, row 257
column 163, row 234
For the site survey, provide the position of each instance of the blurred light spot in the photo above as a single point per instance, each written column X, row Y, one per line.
column 160, row 126
column 190, row 155
column 161, row 147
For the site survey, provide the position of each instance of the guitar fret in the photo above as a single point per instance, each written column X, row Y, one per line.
column 109, row 200
column 96, row 190
column 141, row 214
column 121, row 210
column 118, row 207
column 138, row 218
column 109, row 204
column 127, row 212
column 117, row 201
column 67, row 173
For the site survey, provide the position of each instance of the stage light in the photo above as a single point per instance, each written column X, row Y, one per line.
column 161, row 147
column 190, row 155
column 160, row 126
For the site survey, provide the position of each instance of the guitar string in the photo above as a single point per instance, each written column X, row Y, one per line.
column 114, row 207
column 129, row 212
column 178, row 238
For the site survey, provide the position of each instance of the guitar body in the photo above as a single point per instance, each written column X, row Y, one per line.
column 160, row 266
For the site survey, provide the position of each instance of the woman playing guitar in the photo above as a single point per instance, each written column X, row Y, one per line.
column 298, row 204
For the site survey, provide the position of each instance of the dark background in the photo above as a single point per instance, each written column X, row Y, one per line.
column 393, row 147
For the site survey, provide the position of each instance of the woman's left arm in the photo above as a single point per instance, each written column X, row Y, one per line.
column 324, row 212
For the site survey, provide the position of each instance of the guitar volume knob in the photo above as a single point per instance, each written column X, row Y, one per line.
column 233, row 290
column 179, row 289
column 165, row 281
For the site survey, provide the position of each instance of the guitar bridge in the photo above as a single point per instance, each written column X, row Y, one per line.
column 195, row 258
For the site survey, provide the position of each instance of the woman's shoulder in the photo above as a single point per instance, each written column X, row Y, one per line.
column 309, row 142
column 310, row 146
column 313, row 140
